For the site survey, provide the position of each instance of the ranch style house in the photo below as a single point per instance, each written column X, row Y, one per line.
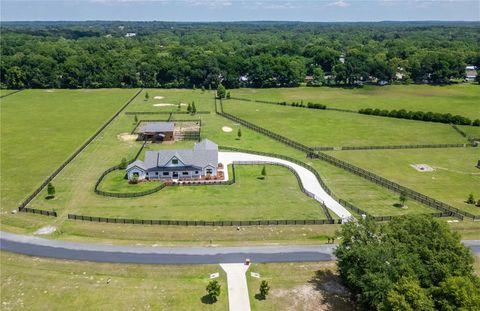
column 201, row 161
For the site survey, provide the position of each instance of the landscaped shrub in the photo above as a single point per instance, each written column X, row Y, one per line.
column 421, row 116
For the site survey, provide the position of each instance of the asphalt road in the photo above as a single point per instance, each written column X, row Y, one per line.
column 34, row 246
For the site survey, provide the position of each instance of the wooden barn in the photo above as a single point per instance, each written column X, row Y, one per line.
column 155, row 131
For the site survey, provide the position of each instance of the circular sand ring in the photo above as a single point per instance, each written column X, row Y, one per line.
column 227, row 129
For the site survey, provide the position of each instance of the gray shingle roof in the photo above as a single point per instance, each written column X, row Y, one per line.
column 203, row 154
column 150, row 127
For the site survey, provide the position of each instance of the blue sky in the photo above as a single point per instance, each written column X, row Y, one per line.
column 240, row 10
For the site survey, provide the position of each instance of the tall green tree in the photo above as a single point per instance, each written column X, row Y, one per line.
column 221, row 91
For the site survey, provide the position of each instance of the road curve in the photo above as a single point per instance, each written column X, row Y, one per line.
column 34, row 246
column 308, row 179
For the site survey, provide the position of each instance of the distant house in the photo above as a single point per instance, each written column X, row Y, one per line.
column 470, row 73
column 196, row 163
column 155, row 131
column 130, row 34
column 309, row 79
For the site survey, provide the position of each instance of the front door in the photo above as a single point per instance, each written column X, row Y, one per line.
column 175, row 175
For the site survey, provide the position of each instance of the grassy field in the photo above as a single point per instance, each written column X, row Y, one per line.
column 299, row 286
column 331, row 128
column 108, row 149
column 276, row 197
column 453, row 179
column 41, row 128
column 47, row 284
column 33, row 283
column 6, row 92
column 463, row 99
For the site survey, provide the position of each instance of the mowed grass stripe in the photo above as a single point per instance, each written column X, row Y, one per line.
column 41, row 128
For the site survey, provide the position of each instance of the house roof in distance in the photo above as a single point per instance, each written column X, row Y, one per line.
column 154, row 127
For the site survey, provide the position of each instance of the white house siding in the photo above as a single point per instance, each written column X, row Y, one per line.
column 214, row 171
column 132, row 171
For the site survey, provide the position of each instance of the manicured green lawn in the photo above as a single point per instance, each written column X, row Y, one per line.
column 41, row 128
column 47, row 284
column 276, row 197
column 331, row 128
column 463, row 99
column 117, row 182
column 453, row 179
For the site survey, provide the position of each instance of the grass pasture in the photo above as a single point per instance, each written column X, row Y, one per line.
column 462, row 99
column 276, row 197
column 314, row 127
column 41, row 128
column 75, row 183
column 453, row 179
column 34, row 283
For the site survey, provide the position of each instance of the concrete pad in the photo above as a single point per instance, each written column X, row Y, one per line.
column 46, row 230
column 238, row 298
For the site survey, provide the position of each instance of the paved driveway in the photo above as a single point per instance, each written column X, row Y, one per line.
column 34, row 246
column 308, row 179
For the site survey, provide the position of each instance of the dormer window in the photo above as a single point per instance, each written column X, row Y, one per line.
column 175, row 161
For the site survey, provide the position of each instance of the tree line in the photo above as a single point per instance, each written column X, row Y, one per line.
column 189, row 55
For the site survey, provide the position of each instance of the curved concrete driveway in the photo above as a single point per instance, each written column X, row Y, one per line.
column 308, row 179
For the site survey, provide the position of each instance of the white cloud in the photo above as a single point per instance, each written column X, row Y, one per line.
column 340, row 4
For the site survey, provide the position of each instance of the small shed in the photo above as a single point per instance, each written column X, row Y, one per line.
column 155, row 131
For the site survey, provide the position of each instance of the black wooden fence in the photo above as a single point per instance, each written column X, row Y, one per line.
column 440, row 206
column 327, row 148
column 164, row 112
column 14, row 92
column 70, row 159
column 38, row 211
column 193, row 223
column 263, row 131
column 361, row 212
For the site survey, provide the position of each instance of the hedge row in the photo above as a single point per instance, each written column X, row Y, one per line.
column 231, row 181
column 421, row 116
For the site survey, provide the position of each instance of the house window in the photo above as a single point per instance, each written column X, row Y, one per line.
column 165, row 174
column 147, row 173
column 175, row 161
column 209, row 171
column 135, row 174
column 184, row 173
column 156, row 173
column 196, row 172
